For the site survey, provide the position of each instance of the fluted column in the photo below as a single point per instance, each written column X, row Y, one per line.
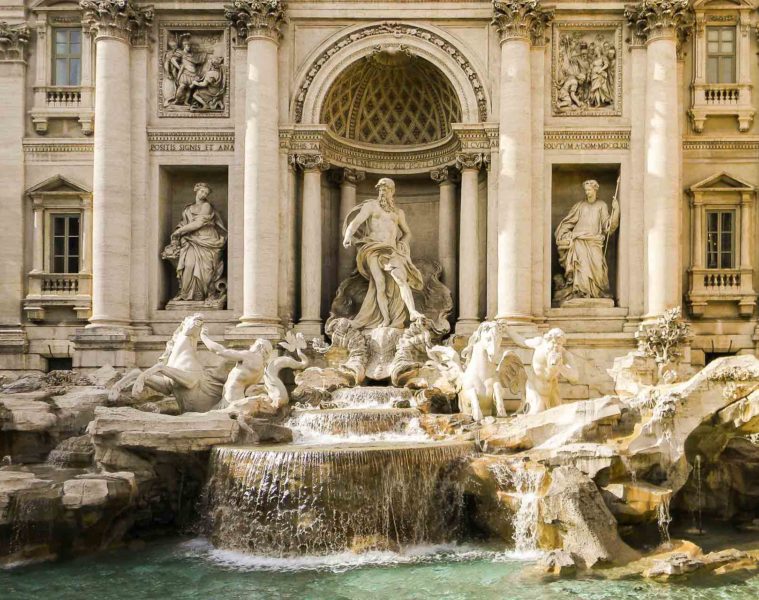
column 469, row 243
column 662, row 23
column 113, row 23
column 313, row 166
column 259, row 22
column 347, row 179
column 13, row 43
column 446, row 242
column 518, row 22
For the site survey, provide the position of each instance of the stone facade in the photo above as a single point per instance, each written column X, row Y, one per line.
column 489, row 116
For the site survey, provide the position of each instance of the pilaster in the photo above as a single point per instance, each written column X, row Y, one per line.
column 13, row 44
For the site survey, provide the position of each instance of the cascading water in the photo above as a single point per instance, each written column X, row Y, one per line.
column 355, row 478
column 525, row 483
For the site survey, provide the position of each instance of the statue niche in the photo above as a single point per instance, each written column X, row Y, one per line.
column 582, row 240
column 193, row 74
column 196, row 250
column 387, row 297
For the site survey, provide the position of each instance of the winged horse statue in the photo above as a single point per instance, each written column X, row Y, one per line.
column 179, row 372
column 478, row 374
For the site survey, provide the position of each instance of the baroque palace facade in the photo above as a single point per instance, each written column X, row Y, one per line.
column 178, row 157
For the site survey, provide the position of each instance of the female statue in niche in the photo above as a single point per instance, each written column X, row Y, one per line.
column 582, row 238
column 196, row 250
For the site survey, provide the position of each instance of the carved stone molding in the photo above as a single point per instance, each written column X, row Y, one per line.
column 191, row 141
column 398, row 30
column 253, row 19
column 347, row 175
column 654, row 19
column 311, row 162
column 586, row 68
column 13, row 40
column 469, row 161
column 120, row 19
column 523, row 19
column 615, row 139
column 444, row 175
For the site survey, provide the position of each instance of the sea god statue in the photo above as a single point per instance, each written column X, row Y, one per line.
column 378, row 229
column 196, row 250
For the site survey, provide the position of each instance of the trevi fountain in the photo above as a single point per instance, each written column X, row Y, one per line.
column 388, row 456
column 355, row 300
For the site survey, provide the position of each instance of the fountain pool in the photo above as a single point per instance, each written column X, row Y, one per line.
column 193, row 569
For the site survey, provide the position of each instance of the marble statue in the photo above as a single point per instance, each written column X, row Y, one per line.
column 550, row 361
column 179, row 372
column 378, row 229
column 478, row 374
column 196, row 249
column 582, row 238
column 248, row 370
column 275, row 387
column 207, row 92
column 186, row 65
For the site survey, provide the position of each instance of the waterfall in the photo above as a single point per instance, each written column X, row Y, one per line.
column 355, row 425
column 663, row 519
column 370, row 397
column 525, row 483
column 322, row 499
column 527, row 486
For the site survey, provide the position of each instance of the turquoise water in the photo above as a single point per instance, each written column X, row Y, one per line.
column 193, row 570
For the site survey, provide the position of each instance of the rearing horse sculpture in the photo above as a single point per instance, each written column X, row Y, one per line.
column 179, row 372
column 482, row 378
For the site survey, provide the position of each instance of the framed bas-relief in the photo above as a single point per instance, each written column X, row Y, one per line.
column 586, row 69
column 193, row 69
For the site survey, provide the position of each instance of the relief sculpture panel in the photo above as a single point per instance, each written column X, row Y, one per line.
column 586, row 69
column 193, row 70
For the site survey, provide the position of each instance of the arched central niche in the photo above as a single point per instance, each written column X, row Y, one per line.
column 391, row 98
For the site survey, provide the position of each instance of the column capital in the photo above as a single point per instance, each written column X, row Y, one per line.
column 256, row 19
column 347, row 175
column 13, row 40
column 469, row 160
column 311, row 162
column 119, row 19
column 520, row 19
column 444, row 175
column 655, row 19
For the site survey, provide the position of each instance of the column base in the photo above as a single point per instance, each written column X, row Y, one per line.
column 98, row 345
column 250, row 330
column 310, row 328
column 13, row 340
column 516, row 319
column 466, row 326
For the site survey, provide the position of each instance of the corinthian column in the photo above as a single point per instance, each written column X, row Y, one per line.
column 518, row 22
column 13, row 41
column 347, row 179
column 258, row 22
column 446, row 243
column 663, row 24
column 113, row 23
column 313, row 166
column 469, row 243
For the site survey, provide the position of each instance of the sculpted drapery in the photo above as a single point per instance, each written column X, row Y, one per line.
column 378, row 229
column 581, row 239
column 197, row 244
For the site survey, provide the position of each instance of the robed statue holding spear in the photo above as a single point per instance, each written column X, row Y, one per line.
column 582, row 238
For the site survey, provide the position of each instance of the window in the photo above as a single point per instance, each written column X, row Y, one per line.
column 720, row 239
column 65, row 254
column 67, row 56
column 720, row 54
